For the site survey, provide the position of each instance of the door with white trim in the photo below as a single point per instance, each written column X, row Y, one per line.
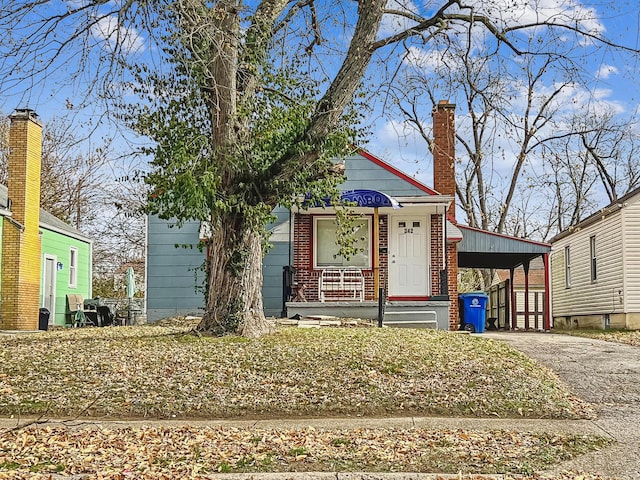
column 409, row 256
column 49, row 293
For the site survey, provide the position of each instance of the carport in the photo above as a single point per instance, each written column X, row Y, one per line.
column 483, row 249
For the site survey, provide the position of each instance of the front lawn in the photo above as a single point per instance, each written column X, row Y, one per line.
column 160, row 372
column 163, row 372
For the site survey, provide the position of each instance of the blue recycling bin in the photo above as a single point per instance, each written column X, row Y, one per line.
column 473, row 308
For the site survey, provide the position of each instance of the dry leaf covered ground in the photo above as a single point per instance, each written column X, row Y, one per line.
column 164, row 372
column 152, row 371
column 188, row 452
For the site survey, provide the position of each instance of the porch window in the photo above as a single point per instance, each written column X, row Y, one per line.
column 73, row 267
column 594, row 259
column 567, row 266
column 326, row 248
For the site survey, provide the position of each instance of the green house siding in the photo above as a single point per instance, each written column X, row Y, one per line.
column 58, row 246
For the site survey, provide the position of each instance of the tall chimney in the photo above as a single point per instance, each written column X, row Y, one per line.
column 20, row 233
column 444, row 155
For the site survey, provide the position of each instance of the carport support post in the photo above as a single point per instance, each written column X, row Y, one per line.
column 547, row 287
column 525, row 266
column 512, row 296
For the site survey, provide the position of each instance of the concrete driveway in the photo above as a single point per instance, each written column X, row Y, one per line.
column 603, row 373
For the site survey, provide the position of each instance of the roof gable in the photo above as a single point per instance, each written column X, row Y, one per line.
column 366, row 171
column 603, row 213
column 47, row 220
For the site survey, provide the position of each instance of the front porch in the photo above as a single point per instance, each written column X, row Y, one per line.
column 403, row 254
column 414, row 314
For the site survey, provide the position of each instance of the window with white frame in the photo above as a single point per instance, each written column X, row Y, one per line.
column 567, row 266
column 73, row 267
column 326, row 248
column 592, row 248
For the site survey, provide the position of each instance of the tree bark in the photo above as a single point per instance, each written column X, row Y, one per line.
column 234, row 289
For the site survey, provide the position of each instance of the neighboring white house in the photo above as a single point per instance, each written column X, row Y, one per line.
column 595, row 269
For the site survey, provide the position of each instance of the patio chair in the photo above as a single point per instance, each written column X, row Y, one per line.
column 77, row 314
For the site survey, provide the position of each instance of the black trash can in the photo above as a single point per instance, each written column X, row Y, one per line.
column 43, row 319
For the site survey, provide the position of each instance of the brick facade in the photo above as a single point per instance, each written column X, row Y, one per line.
column 21, row 263
column 307, row 277
column 444, row 178
column 452, row 255
column 444, row 181
column 437, row 260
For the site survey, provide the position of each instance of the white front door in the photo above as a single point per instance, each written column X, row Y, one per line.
column 49, row 293
column 408, row 256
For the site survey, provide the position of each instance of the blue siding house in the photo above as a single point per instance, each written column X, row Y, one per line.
column 174, row 261
column 406, row 247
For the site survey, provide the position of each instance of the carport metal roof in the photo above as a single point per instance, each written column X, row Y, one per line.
column 482, row 249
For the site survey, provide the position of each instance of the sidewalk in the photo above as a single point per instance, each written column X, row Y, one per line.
column 579, row 427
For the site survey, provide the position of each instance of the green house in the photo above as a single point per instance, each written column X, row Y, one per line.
column 43, row 259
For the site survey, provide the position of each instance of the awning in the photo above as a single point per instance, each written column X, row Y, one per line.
column 483, row 249
column 363, row 198
column 369, row 198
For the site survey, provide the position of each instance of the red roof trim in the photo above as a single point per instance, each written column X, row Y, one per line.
column 526, row 240
column 396, row 172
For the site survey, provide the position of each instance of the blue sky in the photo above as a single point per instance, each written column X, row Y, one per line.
column 611, row 79
column 612, row 75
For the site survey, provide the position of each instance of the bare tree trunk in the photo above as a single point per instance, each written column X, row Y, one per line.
column 234, row 296
column 234, row 260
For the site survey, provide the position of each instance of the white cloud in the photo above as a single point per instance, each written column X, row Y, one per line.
column 124, row 38
column 398, row 143
column 427, row 60
column 392, row 24
column 605, row 71
column 570, row 13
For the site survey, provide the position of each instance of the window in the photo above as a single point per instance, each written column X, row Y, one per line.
column 73, row 267
column 567, row 266
column 326, row 247
column 592, row 246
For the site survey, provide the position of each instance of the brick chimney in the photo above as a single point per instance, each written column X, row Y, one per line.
column 444, row 181
column 20, row 233
column 444, row 155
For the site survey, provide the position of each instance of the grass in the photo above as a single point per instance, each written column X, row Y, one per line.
column 160, row 372
column 628, row 337
column 172, row 452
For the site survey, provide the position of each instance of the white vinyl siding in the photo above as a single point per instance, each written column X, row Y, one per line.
column 631, row 252
column 586, row 297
